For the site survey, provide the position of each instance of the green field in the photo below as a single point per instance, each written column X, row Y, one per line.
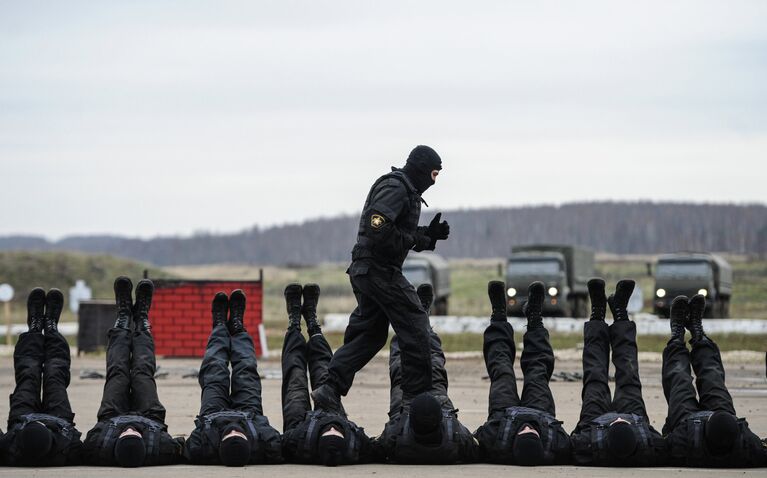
column 25, row 270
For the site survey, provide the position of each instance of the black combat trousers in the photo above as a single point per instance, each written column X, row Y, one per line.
column 677, row 381
column 243, row 391
column 130, row 386
column 439, row 378
column 384, row 296
column 598, row 338
column 41, row 363
column 298, row 357
column 537, row 364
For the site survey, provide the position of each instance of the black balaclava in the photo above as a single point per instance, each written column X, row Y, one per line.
column 721, row 432
column 527, row 448
column 235, row 450
column 330, row 448
column 426, row 419
column 35, row 441
column 130, row 451
column 621, row 441
column 421, row 162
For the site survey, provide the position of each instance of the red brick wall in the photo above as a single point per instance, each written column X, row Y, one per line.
column 181, row 318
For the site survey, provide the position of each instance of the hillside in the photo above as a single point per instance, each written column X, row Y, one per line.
column 623, row 228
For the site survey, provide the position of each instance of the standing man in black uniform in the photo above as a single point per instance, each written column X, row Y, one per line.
column 520, row 432
column 617, row 431
column 313, row 436
column 131, row 428
column 705, row 431
column 41, row 432
column 426, row 429
column 388, row 230
column 231, row 428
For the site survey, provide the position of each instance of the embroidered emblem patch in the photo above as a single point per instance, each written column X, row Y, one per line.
column 377, row 221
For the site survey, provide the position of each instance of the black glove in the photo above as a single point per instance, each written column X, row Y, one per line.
column 438, row 231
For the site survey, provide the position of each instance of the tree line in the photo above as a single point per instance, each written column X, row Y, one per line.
column 618, row 227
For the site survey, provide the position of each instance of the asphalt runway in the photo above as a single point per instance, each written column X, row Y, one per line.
column 367, row 404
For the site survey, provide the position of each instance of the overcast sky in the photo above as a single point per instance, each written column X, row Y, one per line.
column 157, row 117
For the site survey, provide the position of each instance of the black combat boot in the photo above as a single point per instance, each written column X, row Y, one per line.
column 326, row 398
column 598, row 299
column 123, row 288
column 54, row 304
column 236, row 312
column 35, row 310
column 620, row 299
column 695, row 323
column 426, row 296
column 219, row 308
column 293, row 303
column 496, row 291
column 144, row 291
column 678, row 317
column 533, row 307
column 309, row 308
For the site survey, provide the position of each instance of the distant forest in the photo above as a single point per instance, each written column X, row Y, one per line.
column 618, row 227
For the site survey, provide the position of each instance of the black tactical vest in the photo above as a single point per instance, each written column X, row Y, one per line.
column 697, row 455
column 514, row 417
column 150, row 431
column 645, row 453
column 315, row 421
column 55, row 424
column 407, row 222
column 408, row 451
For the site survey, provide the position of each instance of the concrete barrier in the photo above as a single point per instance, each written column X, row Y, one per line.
column 647, row 324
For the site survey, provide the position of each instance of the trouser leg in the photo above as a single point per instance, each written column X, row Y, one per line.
column 28, row 359
column 628, row 387
column 677, row 384
column 214, row 372
column 143, row 386
column 500, row 352
column 318, row 359
column 395, row 378
column 295, row 386
column 595, row 396
column 117, row 388
column 709, row 373
column 56, row 376
column 439, row 380
column 537, row 364
column 246, row 384
column 365, row 335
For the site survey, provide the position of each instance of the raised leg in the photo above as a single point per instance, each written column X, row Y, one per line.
column 214, row 372
column 677, row 384
column 628, row 387
column 596, row 359
column 143, row 386
column 709, row 373
column 537, row 364
column 56, row 376
column 117, row 388
column 28, row 359
column 246, row 384
column 500, row 352
column 295, row 386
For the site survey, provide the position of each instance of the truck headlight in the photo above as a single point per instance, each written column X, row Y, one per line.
column 703, row 292
column 553, row 291
column 511, row 291
column 661, row 293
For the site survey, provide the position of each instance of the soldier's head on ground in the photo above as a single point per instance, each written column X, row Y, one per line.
column 426, row 419
column 721, row 431
column 621, row 441
column 422, row 167
column 35, row 441
column 527, row 447
column 331, row 445
column 130, row 449
column 234, row 449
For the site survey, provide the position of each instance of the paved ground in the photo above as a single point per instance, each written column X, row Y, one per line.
column 367, row 404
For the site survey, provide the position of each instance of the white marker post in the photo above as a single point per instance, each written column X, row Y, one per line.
column 6, row 294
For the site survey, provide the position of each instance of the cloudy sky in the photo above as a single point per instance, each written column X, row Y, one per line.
column 169, row 117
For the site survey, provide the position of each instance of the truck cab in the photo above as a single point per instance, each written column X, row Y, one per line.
column 429, row 268
column 693, row 273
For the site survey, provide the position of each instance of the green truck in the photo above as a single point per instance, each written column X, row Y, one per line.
column 564, row 269
column 429, row 268
column 690, row 273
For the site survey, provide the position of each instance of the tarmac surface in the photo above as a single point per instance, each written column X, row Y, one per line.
column 367, row 404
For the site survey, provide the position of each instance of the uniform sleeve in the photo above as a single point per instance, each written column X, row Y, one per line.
column 386, row 205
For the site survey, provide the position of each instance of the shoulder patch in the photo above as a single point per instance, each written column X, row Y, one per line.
column 377, row 221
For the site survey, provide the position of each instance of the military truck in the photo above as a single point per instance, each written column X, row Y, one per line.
column 429, row 268
column 690, row 273
column 564, row 269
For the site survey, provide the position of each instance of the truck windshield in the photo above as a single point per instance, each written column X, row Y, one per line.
column 533, row 268
column 682, row 270
column 417, row 275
